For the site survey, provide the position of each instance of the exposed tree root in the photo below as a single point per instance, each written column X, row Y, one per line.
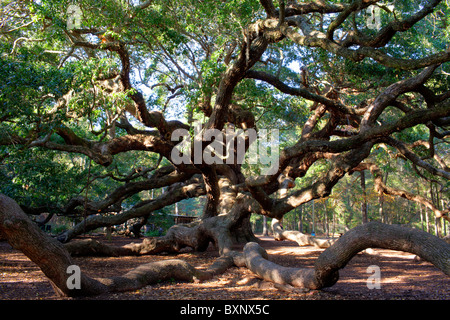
column 54, row 259
column 256, row 259
column 91, row 247
column 326, row 269
column 152, row 273
column 170, row 243
column 302, row 239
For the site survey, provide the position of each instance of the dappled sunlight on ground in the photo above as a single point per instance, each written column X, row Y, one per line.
column 402, row 277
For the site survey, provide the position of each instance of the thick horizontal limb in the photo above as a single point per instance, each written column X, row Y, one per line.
column 370, row 235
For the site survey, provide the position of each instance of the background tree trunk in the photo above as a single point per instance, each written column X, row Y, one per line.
column 300, row 219
column 265, row 230
column 364, row 198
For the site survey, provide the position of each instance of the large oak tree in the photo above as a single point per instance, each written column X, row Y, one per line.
column 132, row 74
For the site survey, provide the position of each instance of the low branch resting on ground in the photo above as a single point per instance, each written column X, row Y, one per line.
column 370, row 235
column 54, row 259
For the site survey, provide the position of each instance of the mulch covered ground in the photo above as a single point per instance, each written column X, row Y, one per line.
column 402, row 278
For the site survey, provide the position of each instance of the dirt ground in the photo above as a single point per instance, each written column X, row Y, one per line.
column 402, row 278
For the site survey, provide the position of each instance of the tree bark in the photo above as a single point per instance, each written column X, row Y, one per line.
column 54, row 260
column 265, row 230
column 50, row 255
column 302, row 239
column 141, row 210
column 370, row 235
